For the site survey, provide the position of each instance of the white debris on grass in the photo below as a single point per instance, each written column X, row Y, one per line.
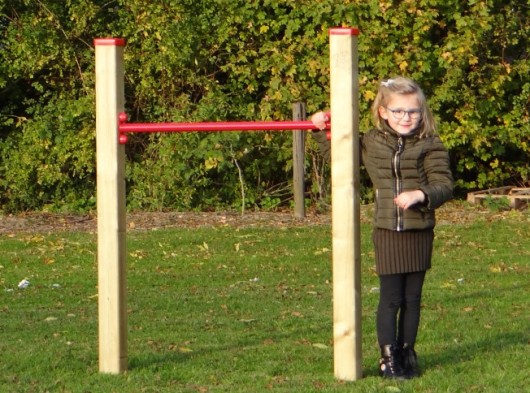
column 23, row 284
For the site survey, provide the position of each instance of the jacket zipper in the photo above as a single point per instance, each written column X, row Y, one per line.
column 396, row 163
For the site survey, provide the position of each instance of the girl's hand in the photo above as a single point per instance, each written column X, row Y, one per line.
column 409, row 198
column 320, row 119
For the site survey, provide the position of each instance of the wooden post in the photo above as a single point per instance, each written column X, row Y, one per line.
column 110, row 207
column 299, row 113
column 345, row 198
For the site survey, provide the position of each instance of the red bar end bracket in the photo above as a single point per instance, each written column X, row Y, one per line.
column 122, row 137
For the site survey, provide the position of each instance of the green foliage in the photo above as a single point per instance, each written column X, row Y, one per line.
column 48, row 167
column 47, row 112
column 210, row 60
column 497, row 204
column 483, row 103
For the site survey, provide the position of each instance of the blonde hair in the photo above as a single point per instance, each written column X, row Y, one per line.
column 404, row 86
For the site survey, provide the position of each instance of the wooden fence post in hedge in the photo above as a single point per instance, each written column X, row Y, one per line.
column 110, row 155
column 345, row 203
column 299, row 113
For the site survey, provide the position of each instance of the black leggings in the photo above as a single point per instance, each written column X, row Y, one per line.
column 399, row 293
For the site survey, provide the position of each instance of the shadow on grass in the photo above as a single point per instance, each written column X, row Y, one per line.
column 487, row 342
column 459, row 353
column 152, row 359
column 249, row 340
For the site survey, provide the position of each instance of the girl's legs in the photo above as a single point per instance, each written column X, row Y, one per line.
column 399, row 293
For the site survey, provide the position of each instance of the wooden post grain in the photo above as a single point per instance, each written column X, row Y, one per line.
column 299, row 113
column 345, row 203
column 110, row 155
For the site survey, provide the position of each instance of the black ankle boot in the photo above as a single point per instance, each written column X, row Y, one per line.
column 410, row 361
column 390, row 362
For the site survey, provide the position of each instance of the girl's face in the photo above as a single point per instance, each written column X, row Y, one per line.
column 402, row 112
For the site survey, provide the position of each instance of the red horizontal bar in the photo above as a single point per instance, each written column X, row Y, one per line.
column 218, row 126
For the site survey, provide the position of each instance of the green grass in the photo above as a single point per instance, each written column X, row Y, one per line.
column 249, row 310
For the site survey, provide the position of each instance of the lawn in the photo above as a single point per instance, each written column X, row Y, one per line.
column 224, row 309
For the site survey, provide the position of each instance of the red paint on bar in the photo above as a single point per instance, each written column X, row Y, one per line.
column 110, row 41
column 218, row 126
column 124, row 127
column 344, row 31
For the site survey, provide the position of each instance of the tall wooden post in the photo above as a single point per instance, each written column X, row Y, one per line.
column 299, row 113
column 111, row 206
column 345, row 199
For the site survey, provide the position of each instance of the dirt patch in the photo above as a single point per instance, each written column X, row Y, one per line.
column 454, row 212
column 46, row 222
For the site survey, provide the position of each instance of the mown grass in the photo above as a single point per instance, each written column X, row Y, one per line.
column 221, row 309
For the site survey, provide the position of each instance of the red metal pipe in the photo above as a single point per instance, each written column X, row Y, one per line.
column 218, row 126
column 125, row 127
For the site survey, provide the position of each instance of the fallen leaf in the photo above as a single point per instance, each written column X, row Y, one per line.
column 495, row 269
column 247, row 320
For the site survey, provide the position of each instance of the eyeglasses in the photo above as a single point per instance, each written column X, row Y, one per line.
column 400, row 113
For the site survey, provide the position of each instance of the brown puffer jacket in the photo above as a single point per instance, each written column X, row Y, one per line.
column 403, row 163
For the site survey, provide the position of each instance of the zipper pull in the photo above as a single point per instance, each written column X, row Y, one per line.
column 400, row 144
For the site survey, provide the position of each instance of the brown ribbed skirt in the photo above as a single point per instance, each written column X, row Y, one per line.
column 402, row 252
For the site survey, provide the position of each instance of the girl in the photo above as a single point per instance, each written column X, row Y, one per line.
column 409, row 168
